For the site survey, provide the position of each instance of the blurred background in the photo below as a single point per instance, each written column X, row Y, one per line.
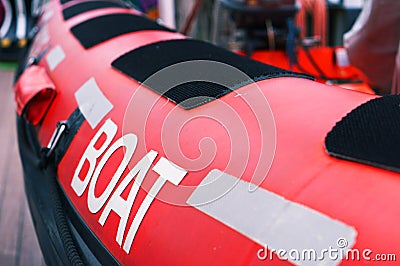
column 220, row 21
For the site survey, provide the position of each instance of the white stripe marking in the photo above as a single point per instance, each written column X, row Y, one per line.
column 269, row 219
column 55, row 57
column 169, row 171
column 93, row 104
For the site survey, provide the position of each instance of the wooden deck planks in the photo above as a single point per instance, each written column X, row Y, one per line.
column 30, row 251
column 18, row 243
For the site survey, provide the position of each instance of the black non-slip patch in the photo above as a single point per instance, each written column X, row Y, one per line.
column 87, row 6
column 369, row 134
column 143, row 62
column 97, row 30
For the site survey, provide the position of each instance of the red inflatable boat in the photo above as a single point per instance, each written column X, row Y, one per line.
column 143, row 147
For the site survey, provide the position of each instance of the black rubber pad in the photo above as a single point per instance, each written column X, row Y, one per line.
column 143, row 62
column 97, row 30
column 369, row 134
column 86, row 6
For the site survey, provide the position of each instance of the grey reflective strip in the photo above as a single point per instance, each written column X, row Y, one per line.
column 92, row 102
column 269, row 219
column 55, row 57
column 7, row 18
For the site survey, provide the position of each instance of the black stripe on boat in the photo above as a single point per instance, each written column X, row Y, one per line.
column 369, row 134
column 97, row 30
column 83, row 7
column 145, row 61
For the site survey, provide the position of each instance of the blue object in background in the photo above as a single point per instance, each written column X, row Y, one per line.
column 145, row 5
